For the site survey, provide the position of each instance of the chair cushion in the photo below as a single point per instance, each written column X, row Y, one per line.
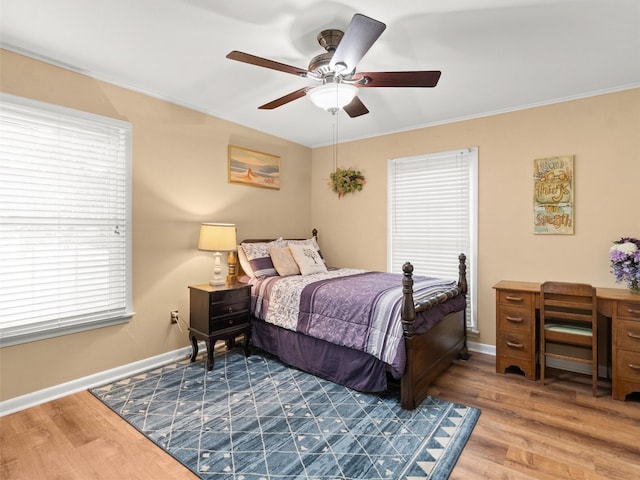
column 566, row 328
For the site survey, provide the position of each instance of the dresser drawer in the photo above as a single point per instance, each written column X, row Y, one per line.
column 629, row 311
column 515, row 345
column 515, row 319
column 515, row 298
column 628, row 335
column 628, row 365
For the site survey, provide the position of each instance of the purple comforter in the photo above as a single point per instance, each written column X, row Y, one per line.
column 352, row 308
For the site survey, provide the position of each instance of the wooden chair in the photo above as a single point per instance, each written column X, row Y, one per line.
column 569, row 316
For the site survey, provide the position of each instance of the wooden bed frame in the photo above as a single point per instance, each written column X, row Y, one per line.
column 430, row 353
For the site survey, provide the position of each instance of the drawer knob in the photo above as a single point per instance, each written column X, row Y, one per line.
column 230, row 309
column 633, row 311
column 514, row 299
column 634, row 366
column 514, row 319
column 633, row 335
column 514, row 345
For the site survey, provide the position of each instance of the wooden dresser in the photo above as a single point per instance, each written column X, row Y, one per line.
column 517, row 322
column 516, row 329
column 626, row 349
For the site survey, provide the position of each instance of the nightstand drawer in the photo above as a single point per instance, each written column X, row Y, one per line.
column 228, row 296
column 228, row 308
column 219, row 324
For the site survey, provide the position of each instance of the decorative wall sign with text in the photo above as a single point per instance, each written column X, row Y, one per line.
column 553, row 195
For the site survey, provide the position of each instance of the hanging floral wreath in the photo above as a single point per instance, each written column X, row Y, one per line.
column 348, row 180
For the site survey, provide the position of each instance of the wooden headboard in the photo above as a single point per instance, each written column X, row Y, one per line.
column 314, row 233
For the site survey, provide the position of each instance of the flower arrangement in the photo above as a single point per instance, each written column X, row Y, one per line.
column 347, row 180
column 625, row 262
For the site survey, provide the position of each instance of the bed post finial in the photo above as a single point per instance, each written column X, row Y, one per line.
column 462, row 284
column 462, row 273
column 407, row 309
column 314, row 233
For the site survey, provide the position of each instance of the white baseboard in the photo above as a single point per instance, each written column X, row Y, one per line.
column 41, row 396
column 57, row 391
column 481, row 348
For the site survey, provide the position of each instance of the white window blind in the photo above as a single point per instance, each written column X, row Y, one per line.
column 432, row 216
column 64, row 221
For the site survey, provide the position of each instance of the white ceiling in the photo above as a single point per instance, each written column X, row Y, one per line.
column 495, row 55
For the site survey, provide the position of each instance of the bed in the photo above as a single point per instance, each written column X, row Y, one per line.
column 370, row 331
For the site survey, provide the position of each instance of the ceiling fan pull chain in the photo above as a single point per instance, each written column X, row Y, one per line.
column 335, row 141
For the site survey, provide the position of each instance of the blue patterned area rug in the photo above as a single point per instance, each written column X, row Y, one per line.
column 257, row 419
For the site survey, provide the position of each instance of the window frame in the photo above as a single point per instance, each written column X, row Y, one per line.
column 472, row 255
column 43, row 329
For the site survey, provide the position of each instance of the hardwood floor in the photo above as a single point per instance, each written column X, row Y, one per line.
column 525, row 431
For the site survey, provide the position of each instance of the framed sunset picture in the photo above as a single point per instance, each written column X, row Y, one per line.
column 250, row 167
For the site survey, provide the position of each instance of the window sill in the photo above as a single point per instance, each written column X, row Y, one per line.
column 7, row 340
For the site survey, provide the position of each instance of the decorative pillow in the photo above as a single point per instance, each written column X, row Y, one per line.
column 283, row 261
column 258, row 259
column 310, row 242
column 308, row 259
column 244, row 262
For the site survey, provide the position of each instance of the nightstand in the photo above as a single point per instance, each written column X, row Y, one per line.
column 219, row 312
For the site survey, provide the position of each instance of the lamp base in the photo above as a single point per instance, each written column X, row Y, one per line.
column 231, row 274
column 217, row 278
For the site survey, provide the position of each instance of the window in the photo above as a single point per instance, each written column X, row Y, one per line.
column 432, row 216
column 64, row 221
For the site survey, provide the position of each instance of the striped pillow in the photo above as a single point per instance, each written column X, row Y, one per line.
column 258, row 258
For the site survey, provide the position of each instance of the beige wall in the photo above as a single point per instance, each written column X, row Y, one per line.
column 179, row 181
column 603, row 132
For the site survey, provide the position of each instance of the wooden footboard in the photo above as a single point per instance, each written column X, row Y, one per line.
column 430, row 353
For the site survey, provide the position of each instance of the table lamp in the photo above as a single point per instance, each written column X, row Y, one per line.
column 218, row 238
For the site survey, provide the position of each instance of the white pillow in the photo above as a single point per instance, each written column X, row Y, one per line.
column 308, row 259
column 310, row 242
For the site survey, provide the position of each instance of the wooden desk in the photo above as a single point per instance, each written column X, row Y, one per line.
column 517, row 305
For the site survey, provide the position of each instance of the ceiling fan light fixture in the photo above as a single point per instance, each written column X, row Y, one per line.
column 332, row 96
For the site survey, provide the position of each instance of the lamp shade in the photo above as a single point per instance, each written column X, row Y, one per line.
column 217, row 237
column 332, row 96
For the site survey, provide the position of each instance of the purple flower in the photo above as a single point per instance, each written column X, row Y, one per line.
column 625, row 261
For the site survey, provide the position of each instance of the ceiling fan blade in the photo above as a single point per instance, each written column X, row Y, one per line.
column 360, row 35
column 398, row 79
column 263, row 62
column 289, row 97
column 355, row 108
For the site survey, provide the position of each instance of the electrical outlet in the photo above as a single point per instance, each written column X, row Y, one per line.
column 174, row 316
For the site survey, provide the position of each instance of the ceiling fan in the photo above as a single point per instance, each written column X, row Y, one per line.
column 336, row 69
